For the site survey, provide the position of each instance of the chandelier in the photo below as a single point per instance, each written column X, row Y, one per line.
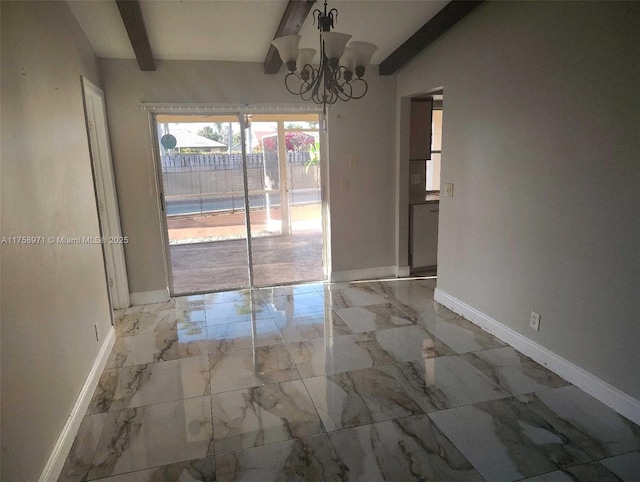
column 333, row 79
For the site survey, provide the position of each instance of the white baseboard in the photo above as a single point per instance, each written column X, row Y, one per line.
column 63, row 445
column 403, row 271
column 360, row 274
column 149, row 297
column 599, row 389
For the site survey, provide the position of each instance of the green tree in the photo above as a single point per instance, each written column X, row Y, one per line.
column 214, row 133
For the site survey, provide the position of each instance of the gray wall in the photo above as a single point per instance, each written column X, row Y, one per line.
column 51, row 294
column 362, row 218
column 541, row 139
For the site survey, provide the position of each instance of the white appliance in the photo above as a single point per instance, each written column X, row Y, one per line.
column 424, row 235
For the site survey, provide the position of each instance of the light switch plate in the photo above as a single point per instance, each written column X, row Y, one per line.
column 415, row 178
column 448, row 189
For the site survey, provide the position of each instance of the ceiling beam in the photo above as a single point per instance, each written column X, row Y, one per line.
column 441, row 22
column 131, row 14
column 290, row 24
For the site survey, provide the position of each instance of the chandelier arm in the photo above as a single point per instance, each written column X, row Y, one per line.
column 287, row 83
column 345, row 92
column 366, row 88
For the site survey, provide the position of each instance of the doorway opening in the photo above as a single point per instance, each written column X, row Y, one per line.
column 424, row 189
column 242, row 199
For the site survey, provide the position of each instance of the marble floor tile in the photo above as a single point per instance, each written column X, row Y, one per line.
column 411, row 290
column 444, row 382
column 162, row 346
column 352, row 296
column 78, row 463
column 142, row 323
column 591, row 472
column 434, row 312
column 189, row 302
column 296, row 304
column 153, row 435
column 310, row 326
column 444, row 313
column 404, row 449
column 409, row 343
column 430, row 282
column 244, row 385
column 248, row 367
column 625, row 466
column 139, row 385
column 228, row 312
column 413, row 303
column 305, row 459
column 597, row 428
column 327, row 287
column 241, row 335
column 374, row 317
column 262, row 415
column 198, row 470
column 359, row 397
column 118, row 315
column 236, row 296
column 382, row 288
column 163, row 305
column 512, row 371
column 338, row 354
column 278, row 291
column 507, row 440
column 463, row 336
column 364, row 350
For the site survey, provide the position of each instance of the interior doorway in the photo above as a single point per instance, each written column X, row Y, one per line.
column 242, row 199
column 106, row 197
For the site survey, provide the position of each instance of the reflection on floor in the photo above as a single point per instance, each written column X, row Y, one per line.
column 223, row 264
column 349, row 381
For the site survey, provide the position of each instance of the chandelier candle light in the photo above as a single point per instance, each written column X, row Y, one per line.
column 334, row 78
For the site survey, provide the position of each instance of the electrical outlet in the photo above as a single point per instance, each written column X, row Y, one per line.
column 97, row 332
column 415, row 178
column 535, row 321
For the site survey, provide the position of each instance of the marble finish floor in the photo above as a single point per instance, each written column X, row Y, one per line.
column 367, row 381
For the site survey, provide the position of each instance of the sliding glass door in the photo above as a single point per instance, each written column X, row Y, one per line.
column 212, row 169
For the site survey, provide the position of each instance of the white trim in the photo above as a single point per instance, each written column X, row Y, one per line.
column 611, row 396
column 63, row 445
column 403, row 271
column 360, row 274
column 184, row 108
column 149, row 297
column 106, row 195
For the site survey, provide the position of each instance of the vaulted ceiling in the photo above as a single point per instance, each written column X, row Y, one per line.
column 242, row 30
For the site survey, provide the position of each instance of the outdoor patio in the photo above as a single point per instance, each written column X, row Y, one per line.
column 219, row 261
column 222, row 265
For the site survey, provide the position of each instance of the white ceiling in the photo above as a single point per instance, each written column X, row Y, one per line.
column 242, row 30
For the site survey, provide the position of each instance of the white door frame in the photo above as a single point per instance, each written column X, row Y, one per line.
column 153, row 110
column 106, row 195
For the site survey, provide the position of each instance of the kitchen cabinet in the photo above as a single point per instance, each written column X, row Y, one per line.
column 423, row 228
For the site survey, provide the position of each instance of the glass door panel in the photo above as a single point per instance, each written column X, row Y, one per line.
column 202, row 177
column 292, row 253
